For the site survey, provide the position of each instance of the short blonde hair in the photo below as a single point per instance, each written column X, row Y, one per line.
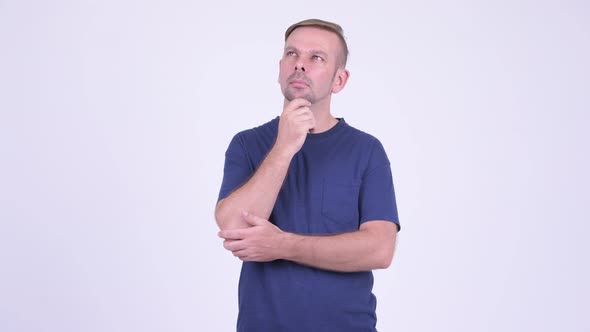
column 325, row 25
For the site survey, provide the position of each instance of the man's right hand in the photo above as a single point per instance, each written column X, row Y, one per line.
column 295, row 122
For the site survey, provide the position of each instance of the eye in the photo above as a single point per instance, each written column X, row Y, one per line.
column 317, row 58
column 290, row 53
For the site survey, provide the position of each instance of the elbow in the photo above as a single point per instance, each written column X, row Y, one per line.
column 221, row 215
column 384, row 256
column 381, row 240
column 384, row 260
column 228, row 217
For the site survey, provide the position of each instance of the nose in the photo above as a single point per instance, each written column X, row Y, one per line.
column 299, row 66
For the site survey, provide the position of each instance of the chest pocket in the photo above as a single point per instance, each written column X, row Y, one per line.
column 340, row 203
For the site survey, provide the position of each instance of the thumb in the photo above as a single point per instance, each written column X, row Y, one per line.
column 252, row 219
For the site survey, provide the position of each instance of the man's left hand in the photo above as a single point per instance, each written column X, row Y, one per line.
column 261, row 242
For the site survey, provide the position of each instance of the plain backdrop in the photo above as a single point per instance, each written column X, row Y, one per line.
column 115, row 116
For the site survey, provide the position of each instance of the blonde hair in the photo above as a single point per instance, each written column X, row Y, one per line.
column 325, row 25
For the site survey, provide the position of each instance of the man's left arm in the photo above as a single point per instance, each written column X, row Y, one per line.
column 369, row 248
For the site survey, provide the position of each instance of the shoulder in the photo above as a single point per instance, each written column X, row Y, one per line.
column 269, row 128
column 361, row 136
column 370, row 145
column 256, row 141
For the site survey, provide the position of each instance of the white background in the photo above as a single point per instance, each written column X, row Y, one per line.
column 115, row 116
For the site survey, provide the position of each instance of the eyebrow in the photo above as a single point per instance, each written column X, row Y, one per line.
column 318, row 52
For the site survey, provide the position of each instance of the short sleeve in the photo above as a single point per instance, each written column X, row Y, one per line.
column 377, row 194
column 237, row 168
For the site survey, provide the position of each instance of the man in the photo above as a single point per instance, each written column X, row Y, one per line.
column 307, row 201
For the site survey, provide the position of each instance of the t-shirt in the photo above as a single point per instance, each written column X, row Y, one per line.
column 339, row 179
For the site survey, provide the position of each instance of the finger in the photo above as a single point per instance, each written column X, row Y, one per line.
column 226, row 242
column 232, row 234
column 298, row 114
column 312, row 123
column 308, row 118
column 239, row 253
column 302, row 113
column 252, row 219
column 233, row 245
column 296, row 104
column 243, row 255
column 304, row 120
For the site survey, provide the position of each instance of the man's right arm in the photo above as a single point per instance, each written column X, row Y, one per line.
column 258, row 195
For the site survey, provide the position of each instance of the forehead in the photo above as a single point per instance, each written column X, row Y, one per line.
column 312, row 38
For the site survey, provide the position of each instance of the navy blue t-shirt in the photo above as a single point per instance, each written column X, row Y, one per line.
column 339, row 179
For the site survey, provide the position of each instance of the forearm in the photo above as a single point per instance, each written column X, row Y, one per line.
column 258, row 195
column 362, row 250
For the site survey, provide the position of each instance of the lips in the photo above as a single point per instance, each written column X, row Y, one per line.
column 298, row 79
column 298, row 83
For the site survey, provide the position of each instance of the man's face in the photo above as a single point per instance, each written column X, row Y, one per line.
column 309, row 64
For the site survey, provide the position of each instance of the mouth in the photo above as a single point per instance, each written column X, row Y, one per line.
column 298, row 83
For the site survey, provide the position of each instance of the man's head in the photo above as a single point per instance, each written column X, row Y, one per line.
column 313, row 62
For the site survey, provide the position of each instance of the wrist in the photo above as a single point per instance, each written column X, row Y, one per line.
column 281, row 154
column 288, row 246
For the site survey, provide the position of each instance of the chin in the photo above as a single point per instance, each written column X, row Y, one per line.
column 290, row 95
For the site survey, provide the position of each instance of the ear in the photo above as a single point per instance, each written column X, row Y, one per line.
column 342, row 75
